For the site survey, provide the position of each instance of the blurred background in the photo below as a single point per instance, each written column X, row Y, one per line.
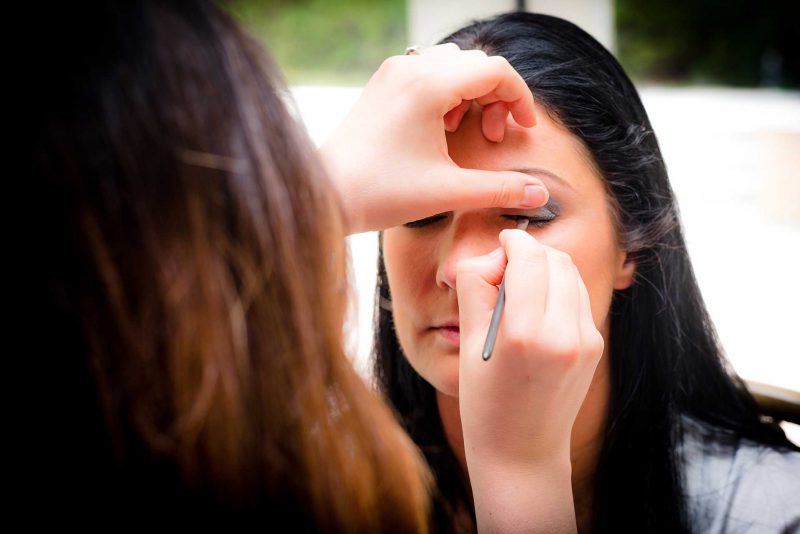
column 739, row 43
column 721, row 82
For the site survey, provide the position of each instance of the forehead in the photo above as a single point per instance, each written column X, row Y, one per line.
column 548, row 145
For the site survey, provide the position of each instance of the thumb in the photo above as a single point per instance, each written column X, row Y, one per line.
column 476, row 189
column 476, row 288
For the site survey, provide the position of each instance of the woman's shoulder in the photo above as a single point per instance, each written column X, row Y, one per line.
column 738, row 485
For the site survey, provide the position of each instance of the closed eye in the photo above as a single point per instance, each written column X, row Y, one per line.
column 537, row 221
column 426, row 221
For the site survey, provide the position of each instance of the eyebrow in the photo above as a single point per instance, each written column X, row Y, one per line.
column 544, row 172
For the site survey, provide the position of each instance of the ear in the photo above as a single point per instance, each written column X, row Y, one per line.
column 625, row 272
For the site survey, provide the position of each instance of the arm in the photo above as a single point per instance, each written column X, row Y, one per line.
column 518, row 408
column 526, row 498
column 388, row 158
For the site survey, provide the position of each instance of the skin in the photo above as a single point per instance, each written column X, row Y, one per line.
column 424, row 296
column 388, row 159
column 390, row 164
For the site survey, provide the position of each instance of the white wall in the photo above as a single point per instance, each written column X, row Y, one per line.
column 594, row 16
column 431, row 20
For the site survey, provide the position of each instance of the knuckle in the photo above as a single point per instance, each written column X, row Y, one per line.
column 517, row 339
column 477, row 52
column 388, row 69
column 498, row 62
column 565, row 350
column 595, row 344
column 533, row 253
column 390, row 64
column 560, row 258
column 466, row 267
column 504, row 196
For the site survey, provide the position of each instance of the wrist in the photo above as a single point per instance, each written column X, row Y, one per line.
column 494, row 472
column 340, row 180
column 531, row 451
column 530, row 498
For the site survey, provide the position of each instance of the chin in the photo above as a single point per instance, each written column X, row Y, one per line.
column 437, row 368
column 445, row 380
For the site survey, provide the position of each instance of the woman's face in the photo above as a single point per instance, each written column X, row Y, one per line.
column 421, row 257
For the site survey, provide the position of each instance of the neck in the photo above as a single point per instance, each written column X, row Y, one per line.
column 587, row 438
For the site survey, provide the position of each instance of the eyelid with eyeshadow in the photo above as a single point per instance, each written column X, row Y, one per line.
column 537, row 217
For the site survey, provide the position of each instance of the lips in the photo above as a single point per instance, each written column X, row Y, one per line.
column 449, row 331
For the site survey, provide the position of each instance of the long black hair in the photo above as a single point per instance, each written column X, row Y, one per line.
column 665, row 359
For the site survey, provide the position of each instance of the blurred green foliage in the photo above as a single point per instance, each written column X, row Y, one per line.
column 329, row 42
column 730, row 42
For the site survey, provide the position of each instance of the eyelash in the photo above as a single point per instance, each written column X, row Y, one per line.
column 425, row 222
column 533, row 222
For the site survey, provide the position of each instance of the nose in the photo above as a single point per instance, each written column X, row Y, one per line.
column 468, row 237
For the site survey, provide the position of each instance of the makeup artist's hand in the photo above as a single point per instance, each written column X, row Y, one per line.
column 518, row 408
column 389, row 157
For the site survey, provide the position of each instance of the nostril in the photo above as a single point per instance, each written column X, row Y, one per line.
column 446, row 274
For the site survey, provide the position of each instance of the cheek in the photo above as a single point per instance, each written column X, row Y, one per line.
column 410, row 273
column 592, row 246
column 600, row 288
column 408, row 267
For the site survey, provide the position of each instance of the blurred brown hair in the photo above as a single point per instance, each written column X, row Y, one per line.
column 194, row 288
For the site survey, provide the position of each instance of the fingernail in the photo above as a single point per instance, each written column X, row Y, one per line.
column 496, row 253
column 535, row 196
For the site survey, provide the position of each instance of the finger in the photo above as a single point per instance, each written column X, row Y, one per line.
column 446, row 48
column 526, row 282
column 513, row 107
column 476, row 288
column 452, row 118
column 562, row 313
column 493, row 121
column 471, row 77
column 476, row 189
column 591, row 339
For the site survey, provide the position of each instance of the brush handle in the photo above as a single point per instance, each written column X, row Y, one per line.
column 497, row 314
